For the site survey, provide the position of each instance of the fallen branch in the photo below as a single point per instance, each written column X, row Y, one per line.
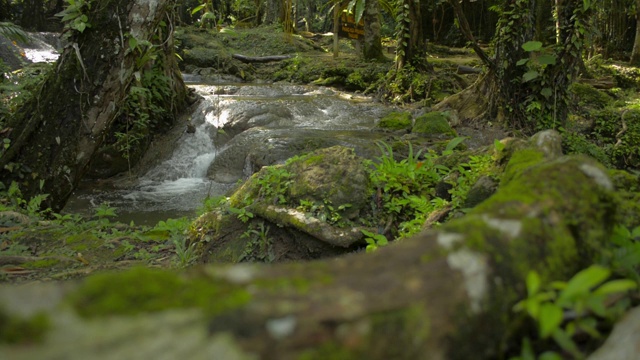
column 260, row 59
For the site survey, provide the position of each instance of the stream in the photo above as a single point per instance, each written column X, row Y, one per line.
column 238, row 129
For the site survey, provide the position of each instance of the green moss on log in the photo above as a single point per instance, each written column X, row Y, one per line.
column 142, row 290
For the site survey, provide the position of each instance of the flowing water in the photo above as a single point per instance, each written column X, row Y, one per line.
column 257, row 113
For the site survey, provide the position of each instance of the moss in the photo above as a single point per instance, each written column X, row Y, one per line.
column 576, row 143
column 409, row 327
column 16, row 329
column 588, row 96
column 140, row 290
column 520, row 161
column 396, row 121
column 39, row 264
column 434, row 123
column 329, row 350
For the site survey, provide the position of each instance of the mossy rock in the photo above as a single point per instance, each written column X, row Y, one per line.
column 396, row 121
column 334, row 175
column 435, row 123
column 588, row 96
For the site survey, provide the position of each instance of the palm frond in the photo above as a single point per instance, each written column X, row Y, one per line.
column 14, row 32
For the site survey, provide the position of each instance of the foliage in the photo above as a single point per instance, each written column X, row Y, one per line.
column 259, row 246
column 13, row 32
column 564, row 309
column 74, row 15
column 274, row 183
column 105, row 211
column 468, row 175
column 324, row 211
column 186, row 253
column 623, row 252
column 404, row 187
column 374, row 241
column 13, row 200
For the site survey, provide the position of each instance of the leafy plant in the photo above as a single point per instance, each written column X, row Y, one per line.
column 260, row 246
column 563, row 309
column 74, row 17
column 186, row 254
column 274, row 183
column 374, row 241
column 243, row 214
column 105, row 211
column 404, row 185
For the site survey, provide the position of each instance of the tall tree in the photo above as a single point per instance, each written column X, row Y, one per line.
column 409, row 34
column 97, row 84
column 372, row 49
column 527, row 83
column 635, row 53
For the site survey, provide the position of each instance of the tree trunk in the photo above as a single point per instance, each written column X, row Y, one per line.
column 274, row 12
column 55, row 135
column 635, row 54
column 445, row 294
column 411, row 46
column 372, row 49
column 530, row 95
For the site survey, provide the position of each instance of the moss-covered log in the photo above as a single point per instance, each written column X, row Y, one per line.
column 445, row 294
column 55, row 135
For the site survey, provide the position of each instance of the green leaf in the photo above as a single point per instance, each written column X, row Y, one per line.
column 533, row 283
column 615, row 286
column 550, row 355
column 198, row 8
column 546, row 92
column 547, row 59
column 522, row 62
column 550, row 319
column 133, row 43
column 455, row 142
column 530, row 75
column 566, row 343
column 498, row 145
column 359, row 10
column 81, row 26
column 583, row 281
column 532, row 46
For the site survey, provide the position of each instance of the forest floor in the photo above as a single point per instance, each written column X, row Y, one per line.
column 68, row 246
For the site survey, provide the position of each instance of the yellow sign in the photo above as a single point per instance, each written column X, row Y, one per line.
column 349, row 28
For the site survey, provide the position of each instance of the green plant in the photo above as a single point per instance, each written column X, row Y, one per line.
column 374, row 241
column 186, row 253
column 324, row 211
column 564, row 309
column 260, row 246
column 468, row 175
column 623, row 252
column 74, row 17
column 105, row 211
column 274, row 182
column 211, row 203
column 32, row 207
column 405, row 187
column 243, row 214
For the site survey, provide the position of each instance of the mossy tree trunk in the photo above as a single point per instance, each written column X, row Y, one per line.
column 529, row 89
column 372, row 49
column 635, row 54
column 445, row 294
column 410, row 39
column 56, row 133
